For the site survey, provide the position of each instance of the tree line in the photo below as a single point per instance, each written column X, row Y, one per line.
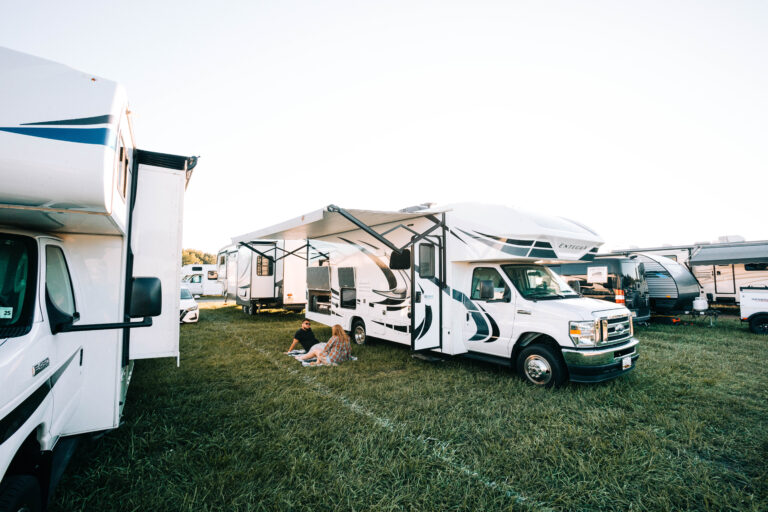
column 193, row 256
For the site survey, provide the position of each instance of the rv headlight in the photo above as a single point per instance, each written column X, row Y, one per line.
column 585, row 334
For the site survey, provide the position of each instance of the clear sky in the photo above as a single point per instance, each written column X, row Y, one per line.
column 645, row 120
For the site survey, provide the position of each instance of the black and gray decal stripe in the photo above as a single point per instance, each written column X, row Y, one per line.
column 17, row 417
column 388, row 274
column 398, row 328
column 494, row 326
column 107, row 119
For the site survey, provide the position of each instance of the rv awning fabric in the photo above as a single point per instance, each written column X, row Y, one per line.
column 320, row 223
column 747, row 253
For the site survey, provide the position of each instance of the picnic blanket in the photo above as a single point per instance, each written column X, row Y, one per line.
column 296, row 353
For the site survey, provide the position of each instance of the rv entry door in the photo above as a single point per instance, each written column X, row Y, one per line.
column 426, row 297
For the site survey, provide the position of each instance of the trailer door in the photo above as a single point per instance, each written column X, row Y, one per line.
column 427, row 274
column 724, row 279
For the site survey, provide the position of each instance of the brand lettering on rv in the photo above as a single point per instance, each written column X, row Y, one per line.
column 572, row 247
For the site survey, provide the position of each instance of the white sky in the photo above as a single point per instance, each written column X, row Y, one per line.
column 647, row 121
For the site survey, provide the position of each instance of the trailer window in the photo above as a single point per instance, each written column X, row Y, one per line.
column 264, row 266
column 213, row 275
column 500, row 288
column 18, row 281
column 752, row 267
column 122, row 167
column 58, row 284
column 426, row 260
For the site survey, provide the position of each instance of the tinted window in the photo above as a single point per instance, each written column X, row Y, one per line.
column 500, row 288
column 197, row 278
column 426, row 260
column 538, row 282
column 18, row 279
column 263, row 266
column 755, row 266
column 58, row 283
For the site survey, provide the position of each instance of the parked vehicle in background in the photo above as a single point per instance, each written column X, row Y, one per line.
column 614, row 279
column 262, row 274
column 754, row 308
column 84, row 217
column 202, row 279
column 721, row 268
column 226, row 267
column 463, row 280
column 189, row 311
column 671, row 286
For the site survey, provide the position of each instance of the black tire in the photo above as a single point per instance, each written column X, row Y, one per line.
column 541, row 366
column 759, row 324
column 358, row 333
column 20, row 493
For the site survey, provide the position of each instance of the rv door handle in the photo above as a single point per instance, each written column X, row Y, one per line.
column 523, row 312
column 417, row 297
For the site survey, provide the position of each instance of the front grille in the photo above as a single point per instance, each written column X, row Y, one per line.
column 618, row 329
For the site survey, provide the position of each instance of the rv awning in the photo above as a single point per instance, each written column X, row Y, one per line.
column 330, row 220
column 722, row 255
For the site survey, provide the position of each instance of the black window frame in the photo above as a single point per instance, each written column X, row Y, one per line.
column 431, row 261
column 507, row 290
column 27, row 317
column 55, row 315
column 260, row 266
column 750, row 267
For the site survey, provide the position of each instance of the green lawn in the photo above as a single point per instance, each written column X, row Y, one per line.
column 239, row 426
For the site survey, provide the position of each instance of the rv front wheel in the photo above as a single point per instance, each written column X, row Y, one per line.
column 358, row 332
column 540, row 366
column 759, row 324
column 20, row 493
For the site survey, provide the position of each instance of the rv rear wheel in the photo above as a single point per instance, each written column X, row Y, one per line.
column 358, row 332
column 759, row 324
column 540, row 366
column 20, row 493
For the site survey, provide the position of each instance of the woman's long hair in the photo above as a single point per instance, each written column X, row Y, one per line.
column 338, row 331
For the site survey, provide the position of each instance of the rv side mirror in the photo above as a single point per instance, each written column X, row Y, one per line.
column 400, row 260
column 146, row 297
column 486, row 290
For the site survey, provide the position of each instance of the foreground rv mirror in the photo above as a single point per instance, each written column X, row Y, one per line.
column 486, row 290
column 576, row 285
column 146, row 297
column 400, row 260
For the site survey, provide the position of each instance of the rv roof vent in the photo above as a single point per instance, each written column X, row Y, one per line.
column 730, row 238
column 418, row 207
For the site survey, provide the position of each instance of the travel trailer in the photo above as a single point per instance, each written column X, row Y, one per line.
column 754, row 308
column 671, row 286
column 202, row 279
column 615, row 279
column 90, row 250
column 721, row 268
column 264, row 274
column 463, row 280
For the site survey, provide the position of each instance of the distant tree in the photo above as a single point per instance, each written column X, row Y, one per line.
column 193, row 256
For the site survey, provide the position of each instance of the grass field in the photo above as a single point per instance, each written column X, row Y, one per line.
column 239, row 426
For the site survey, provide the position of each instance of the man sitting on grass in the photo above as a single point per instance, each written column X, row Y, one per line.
column 305, row 336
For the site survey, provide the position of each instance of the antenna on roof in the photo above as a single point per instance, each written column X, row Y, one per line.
column 418, row 207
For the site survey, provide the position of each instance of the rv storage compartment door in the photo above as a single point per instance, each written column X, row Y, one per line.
column 157, row 253
column 319, row 289
column 426, row 300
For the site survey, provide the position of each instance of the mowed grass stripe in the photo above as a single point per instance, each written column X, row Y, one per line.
column 233, row 429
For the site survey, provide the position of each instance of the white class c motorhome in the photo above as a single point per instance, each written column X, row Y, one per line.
column 201, row 279
column 83, row 212
column 466, row 279
column 264, row 273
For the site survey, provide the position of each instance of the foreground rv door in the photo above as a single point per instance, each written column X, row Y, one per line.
column 426, row 299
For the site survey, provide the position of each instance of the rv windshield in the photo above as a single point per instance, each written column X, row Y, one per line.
column 536, row 282
column 18, row 276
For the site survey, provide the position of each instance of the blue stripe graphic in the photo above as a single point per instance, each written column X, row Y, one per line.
column 98, row 136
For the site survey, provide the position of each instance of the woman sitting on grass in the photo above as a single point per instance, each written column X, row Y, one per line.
column 335, row 351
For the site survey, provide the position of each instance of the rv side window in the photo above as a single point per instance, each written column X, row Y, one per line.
column 222, row 260
column 485, row 274
column 213, row 275
column 752, row 267
column 263, row 266
column 426, row 260
column 18, row 281
column 348, row 292
column 58, row 284
column 197, row 278
column 122, row 167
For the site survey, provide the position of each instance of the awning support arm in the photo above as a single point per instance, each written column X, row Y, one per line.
column 274, row 258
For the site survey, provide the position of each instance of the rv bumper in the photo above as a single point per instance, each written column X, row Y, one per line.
column 601, row 364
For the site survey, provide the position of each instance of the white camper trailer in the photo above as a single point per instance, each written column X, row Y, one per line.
column 226, row 266
column 201, row 279
column 83, row 212
column 466, row 279
column 269, row 273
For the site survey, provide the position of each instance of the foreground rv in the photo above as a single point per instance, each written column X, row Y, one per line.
column 467, row 280
column 264, row 273
column 83, row 214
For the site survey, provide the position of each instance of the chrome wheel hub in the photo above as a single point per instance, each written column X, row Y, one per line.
column 537, row 369
column 359, row 335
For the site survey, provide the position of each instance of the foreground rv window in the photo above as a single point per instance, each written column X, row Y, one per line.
column 18, row 280
column 500, row 288
column 58, row 284
column 538, row 282
column 427, row 260
column 263, row 266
